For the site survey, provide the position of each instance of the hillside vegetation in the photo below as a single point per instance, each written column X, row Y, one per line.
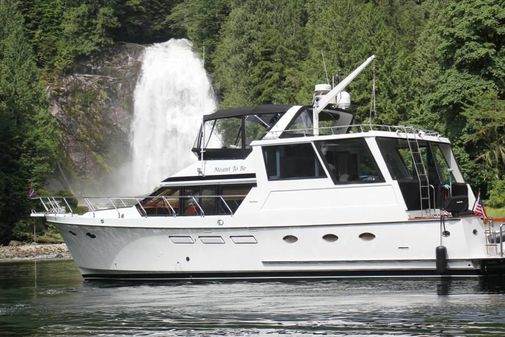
column 440, row 65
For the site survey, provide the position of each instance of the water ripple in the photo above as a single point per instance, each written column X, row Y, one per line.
column 56, row 302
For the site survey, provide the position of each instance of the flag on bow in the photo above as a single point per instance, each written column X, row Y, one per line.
column 30, row 193
column 478, row 208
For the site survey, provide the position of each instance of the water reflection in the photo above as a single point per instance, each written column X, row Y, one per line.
column 50, row 299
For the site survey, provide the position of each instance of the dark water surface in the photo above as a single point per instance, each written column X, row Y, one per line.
column 50, row 299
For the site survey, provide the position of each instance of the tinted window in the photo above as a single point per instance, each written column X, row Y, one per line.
column 257, row 125
column 399, row 160
column 442, row 165
column 292, row 162
column 350, row 161
column 195, row 200
column 164, row 201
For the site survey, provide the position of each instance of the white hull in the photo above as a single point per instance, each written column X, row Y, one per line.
column 399, row 249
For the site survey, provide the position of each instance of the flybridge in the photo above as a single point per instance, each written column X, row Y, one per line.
column 227, row 134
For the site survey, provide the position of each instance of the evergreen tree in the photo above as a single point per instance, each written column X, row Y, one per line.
column 201, row 21
column 463, row 62
column 28, row 139
column 257, row 58
column 347, row 32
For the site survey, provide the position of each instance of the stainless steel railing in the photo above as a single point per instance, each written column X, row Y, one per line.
column 354, row 128
column 146, row 206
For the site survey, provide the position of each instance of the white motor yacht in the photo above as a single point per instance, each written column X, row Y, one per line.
column 284, row 192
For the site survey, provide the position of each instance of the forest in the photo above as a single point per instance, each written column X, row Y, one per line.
column 440, row 65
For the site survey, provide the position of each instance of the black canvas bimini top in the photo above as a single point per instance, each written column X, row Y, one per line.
column 259, row 109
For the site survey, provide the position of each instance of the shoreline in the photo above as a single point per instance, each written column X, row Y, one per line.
column 34, row 252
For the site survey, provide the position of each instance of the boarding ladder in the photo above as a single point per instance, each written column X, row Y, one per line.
column 420, row 168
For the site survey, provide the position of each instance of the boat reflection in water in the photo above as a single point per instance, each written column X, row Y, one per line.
column 60, row 304
column 283, row 192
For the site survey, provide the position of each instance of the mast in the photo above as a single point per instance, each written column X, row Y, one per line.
column 326, row 99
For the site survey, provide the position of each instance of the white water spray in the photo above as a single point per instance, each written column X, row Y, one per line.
column 171, row 96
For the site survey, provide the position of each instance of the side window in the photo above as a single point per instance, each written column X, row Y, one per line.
column 398, row 158
column 223, row 133
column 193, row 200
column 350, row 161
column 161, row 200
column 443, row 166
column 233, row 195
column 296, row 161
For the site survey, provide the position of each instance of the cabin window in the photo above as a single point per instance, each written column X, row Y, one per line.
column 294, row 161
column 195, row 200
column 399, row 160
column 164, row 201
column 191, row 201
column 442, row 163
column 233, row 196
column 350, row 161
column 398, row 157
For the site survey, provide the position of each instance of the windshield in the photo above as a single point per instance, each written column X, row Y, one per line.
column 330, row 122
column 236, row 132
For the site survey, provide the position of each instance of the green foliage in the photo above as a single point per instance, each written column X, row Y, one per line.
column 84, row 29
column 63, row 30
column 257, row 60
column 28, row 136
column 484, row 132
column 201, row 21
column 460, row 74
column 147, row 21
column 497, row 194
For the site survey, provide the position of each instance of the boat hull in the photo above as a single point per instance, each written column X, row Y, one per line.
column 398, row 249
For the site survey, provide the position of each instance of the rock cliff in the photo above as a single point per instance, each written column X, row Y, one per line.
column 94, row 106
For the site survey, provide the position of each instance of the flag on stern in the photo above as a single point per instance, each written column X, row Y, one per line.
column 478, row 208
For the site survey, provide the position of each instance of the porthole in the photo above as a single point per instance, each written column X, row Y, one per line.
column 73, row 233
column 330, row 237
column 290, row 238
column 90, row 235
column 367, row 236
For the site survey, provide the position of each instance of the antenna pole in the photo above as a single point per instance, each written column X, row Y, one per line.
column 373, row 111
column 325, row 70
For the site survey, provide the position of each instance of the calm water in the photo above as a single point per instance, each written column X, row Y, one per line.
column 50, row 299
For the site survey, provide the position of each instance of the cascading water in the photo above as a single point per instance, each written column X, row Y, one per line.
column 172, row 94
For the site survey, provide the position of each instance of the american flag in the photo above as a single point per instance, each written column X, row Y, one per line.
column 478, row 208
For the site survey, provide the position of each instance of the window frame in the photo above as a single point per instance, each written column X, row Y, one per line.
column 322, row 169
column 381, row 179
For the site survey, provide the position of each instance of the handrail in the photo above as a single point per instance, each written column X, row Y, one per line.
column 501, row 239
column 51, row 204
column 174, row 213
column 202, row 213
column 361, row 128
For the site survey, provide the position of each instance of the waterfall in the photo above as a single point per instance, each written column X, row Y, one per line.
column 172, row 94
